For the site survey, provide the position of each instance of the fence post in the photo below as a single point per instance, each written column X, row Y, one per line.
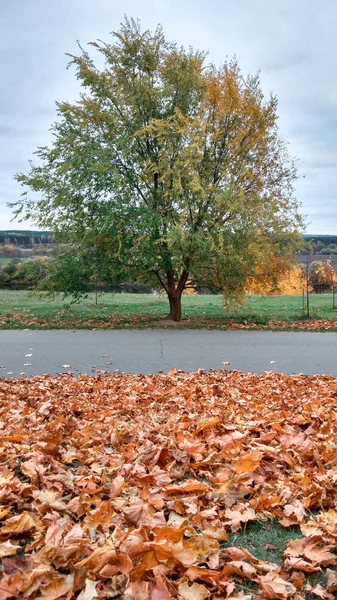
column 307, row 273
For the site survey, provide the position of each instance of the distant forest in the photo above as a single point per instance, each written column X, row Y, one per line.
column 321, row 244
column 25, row 238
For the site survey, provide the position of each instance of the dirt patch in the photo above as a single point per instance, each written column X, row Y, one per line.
column 165, row 322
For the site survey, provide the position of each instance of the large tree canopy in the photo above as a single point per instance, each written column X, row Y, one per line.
column 167, row 169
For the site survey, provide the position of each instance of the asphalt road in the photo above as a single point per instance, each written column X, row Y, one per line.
column 94, row 352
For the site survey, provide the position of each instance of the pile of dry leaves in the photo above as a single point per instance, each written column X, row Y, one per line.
column 128, row 486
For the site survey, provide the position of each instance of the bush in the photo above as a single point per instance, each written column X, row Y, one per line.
column 9, row 250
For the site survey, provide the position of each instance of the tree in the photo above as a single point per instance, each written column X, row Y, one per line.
column 321, row 276
column 168, row 168
column 33, row 270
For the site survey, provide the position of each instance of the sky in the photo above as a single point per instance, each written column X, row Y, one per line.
column 292, row 45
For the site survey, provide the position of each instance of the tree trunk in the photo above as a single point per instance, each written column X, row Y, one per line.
column 174, row 292
column 175, row 307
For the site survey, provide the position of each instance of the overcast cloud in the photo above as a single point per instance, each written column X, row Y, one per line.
column 293, row 44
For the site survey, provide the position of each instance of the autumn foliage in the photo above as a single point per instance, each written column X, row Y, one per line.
column 130, row 486
column 277, row 277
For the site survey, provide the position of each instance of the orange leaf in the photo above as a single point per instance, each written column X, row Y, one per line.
column 189, row 487
column 207, row 424
column 18, row 524
column 249, row 462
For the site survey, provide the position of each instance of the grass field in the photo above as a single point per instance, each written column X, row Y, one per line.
column 21, row 309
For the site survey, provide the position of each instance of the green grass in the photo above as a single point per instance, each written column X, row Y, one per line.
column 267, row 540
column 21, row 309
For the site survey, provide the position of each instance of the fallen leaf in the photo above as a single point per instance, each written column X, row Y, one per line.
column 249, row 462
column 57, row 587
column 8, row 549
column 90, row 592
column 331, row 578
column 193, row 592
column 275, row 587
column 19, row 524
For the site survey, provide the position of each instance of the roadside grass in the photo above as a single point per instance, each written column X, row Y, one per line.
column 22, row 309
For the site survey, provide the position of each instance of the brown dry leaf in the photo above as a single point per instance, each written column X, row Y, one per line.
column 19, row 524
column 202, row 574
column 90, row 592
column 331, row 579
column 137, row 590
column 4, row 511
column 213, row 422
column 142, row 513
column 193, row 592
column 11, row 586
column 242, row 514
column 235, row 553
column 160, row 591
column 98, row 559
column 295, row 562
column 239, row 567
column 156, row 553
column 296, row 509
column 318, row 554
column 320, row 592
column 276, row 588
column 58, row 587
column 116, row 486
column 187, row 556
column 312, row 550
column 49, row 499
column 8, row 549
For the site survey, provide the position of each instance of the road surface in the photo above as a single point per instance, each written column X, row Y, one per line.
column 152, row 351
